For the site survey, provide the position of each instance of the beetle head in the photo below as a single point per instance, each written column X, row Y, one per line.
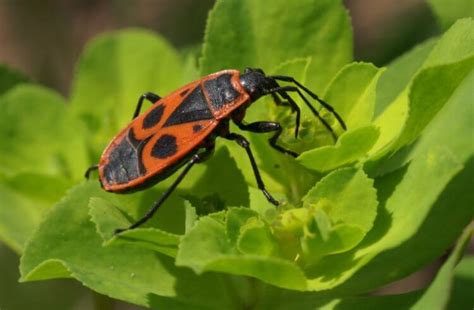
column 256, row 83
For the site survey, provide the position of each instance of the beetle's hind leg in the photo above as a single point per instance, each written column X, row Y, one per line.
column 195, row 159
column 89, row 170
column 152, row 97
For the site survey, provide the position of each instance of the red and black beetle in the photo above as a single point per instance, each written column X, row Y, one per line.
column 181, row 128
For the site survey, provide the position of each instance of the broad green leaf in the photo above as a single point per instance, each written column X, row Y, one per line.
column 433, row 297
column 246, row 33
column 340, row 238
column 351, row 146
column 39, row 135
column 456, row 44
column 447, row 65
column 113, row 72
column 108, row 218
column 437, row 183
column 448, row 12
column 10, row 78
column 206, row 242
column 426, row 101
column 207, row 248
column 235, row 219
column 347, row 196
column 67, row 242
column 399, row 73
column 352, row 93
column 23, row 203
column 256, row 238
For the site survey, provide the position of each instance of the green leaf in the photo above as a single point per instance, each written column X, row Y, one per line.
column 113, row 72
column 351, row 146
column 437, row 294
column 399, row 73
column 461, row 296
column 190, row 216
column 38, row 134
column 434, row 297
column 448, row 12
column 235, row 219
column 337, row 194
column 340, row 238
column 261, row 205
column 340, row 225
column 23, row 203
column 207, row 248
column 206, row 242
column 352, row 93
column 9, row 78
column 246, row 33
column 447, row 65
column 426, row 101
column 67, row 243
column 222, row 177
column 256, row 238
column 436, row 181
column 108, row 218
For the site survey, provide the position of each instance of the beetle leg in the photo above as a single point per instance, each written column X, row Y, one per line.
column 246, row 145
column 148, row 96
column 263, row 127
column 195, row 159
column 89, row 170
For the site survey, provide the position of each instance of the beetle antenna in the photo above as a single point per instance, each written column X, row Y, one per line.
column 326, row 105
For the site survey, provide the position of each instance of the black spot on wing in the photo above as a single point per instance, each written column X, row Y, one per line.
column 164, row 147
column 221, row 91
column 122, row 166
column 153, row 117
column 197, row 128
column 193, row 108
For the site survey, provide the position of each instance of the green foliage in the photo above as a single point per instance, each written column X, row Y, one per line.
column 448, row 12
column 395, row 185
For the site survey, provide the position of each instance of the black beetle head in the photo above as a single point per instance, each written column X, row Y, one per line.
column 256, row 83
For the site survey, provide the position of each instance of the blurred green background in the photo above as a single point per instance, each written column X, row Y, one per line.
column 43, row 39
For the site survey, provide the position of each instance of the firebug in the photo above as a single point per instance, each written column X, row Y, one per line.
column 181, row 129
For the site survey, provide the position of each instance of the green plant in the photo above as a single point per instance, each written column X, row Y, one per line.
column 389, row 197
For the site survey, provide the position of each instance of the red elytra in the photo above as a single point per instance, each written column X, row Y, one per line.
column 182, row 127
